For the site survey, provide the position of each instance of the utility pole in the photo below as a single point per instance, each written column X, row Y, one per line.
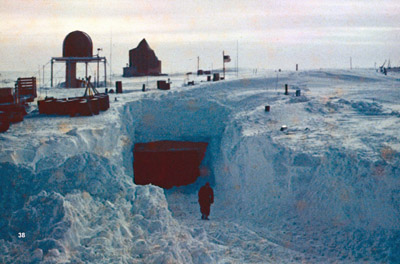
column 351, row 64
column 198, row 63
column 86, row 70
column 51, row 79
column 110, row 56
column 105, row 72
column 98, row 66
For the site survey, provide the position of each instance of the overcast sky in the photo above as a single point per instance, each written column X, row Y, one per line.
column 271, row 34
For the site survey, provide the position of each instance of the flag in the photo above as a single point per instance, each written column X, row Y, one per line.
column 227, row 58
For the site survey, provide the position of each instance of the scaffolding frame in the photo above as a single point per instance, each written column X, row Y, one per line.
column 86, row 60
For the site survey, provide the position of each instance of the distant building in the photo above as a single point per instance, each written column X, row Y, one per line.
column 142, row 61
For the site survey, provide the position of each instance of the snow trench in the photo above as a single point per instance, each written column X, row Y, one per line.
column 75, row 200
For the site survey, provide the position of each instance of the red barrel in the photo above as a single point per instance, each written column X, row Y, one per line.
column 118, row 86
column 216, row 77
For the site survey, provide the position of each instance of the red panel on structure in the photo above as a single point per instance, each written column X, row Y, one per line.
column 82, row 106
column 25, row 89
column 168, row 163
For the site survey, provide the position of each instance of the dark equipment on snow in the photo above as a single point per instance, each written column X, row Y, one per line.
column 163, row 85
column 118, row 87
column 91, row 103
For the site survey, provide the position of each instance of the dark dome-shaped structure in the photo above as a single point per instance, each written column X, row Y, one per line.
column 77, row 44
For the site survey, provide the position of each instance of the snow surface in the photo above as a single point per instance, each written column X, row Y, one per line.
column 326, row 190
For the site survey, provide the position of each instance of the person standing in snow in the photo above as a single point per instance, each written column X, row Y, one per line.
column 206, row 198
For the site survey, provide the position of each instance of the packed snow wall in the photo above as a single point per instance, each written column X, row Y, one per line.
column 335, row 187
column 344, row 201
column 307, row 184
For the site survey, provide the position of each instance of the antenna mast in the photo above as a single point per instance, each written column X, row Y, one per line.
column 110, row 57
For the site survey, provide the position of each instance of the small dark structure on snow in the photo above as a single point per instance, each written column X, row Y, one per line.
column 216, row 77
column 118, row 87
column 142, row 61
column 163, row 85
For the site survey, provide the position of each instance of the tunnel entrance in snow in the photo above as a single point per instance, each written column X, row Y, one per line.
column 168, row 163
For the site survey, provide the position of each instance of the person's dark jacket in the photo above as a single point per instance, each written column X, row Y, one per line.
column 206, row 195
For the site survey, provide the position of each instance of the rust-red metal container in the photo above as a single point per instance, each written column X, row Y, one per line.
column 168, row 163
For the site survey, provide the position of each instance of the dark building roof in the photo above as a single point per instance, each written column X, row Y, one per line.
column 77, row 44
column 144, row 45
